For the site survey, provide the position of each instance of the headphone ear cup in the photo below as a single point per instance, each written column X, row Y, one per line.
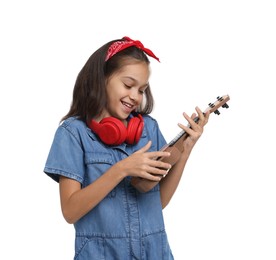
column 134, row 129
column 110, row 130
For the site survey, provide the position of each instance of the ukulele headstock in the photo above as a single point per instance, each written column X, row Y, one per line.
column 220, row 102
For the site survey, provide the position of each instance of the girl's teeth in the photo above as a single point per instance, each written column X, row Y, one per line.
column 127, row 105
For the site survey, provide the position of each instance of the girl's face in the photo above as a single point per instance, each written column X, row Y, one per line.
column 125, row 90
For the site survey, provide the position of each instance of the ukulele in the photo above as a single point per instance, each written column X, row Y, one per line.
column 175, row 146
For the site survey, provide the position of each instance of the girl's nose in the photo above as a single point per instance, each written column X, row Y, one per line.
column 133, row 95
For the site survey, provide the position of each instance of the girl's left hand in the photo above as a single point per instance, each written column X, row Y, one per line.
column 194, row 130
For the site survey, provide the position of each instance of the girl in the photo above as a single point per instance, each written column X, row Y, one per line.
column 106, row 138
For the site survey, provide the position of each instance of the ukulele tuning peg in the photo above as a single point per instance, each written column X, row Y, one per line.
column 216, row 112
column 211, row 105
column 221, row 99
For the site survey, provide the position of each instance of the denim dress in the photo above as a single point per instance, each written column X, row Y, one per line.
column 126, row 224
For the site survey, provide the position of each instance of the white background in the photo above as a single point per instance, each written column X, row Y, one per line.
column 225, row 206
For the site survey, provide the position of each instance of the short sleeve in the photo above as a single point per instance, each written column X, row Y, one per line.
column 66, row 156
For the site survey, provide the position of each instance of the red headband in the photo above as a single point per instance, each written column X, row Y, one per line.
column 118, row 46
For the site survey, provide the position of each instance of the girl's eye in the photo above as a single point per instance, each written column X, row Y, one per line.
column 128, row 87
column 141, row 91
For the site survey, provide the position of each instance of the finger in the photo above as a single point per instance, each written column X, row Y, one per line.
column 157, row 172
column 203, row 117
column 158, row 154
column 187, row 129
column 163, row 166
column 198, row 110
column 191, row 127
column 153, row 177
column 189, row 119
column 200, row 113
column 193, row 116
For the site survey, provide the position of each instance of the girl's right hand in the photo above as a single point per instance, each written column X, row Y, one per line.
column 144, row 164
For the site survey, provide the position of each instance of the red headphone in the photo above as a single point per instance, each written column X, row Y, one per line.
column 112, row 131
